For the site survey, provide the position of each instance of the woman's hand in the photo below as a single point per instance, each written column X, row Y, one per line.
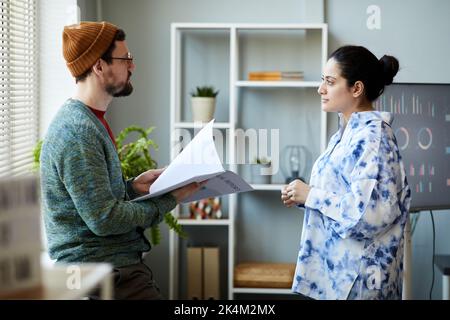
column 295, row 193
column 142, row 183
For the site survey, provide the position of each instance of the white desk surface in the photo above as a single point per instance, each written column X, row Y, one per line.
column 58, row 282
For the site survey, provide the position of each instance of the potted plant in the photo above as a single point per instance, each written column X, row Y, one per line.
column 261, row 171
column 134, row 158
column 203, row 102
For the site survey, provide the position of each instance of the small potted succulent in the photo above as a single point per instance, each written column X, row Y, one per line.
column 261, row 171
column 203, row 102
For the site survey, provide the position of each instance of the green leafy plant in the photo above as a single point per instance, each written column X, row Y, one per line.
column 135, row 158
column 205, row 91
column 37, row 154
column 263, row 161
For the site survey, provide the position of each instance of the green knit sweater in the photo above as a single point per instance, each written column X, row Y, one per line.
column 86, row 203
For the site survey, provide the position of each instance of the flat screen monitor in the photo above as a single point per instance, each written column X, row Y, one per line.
column 422, row 128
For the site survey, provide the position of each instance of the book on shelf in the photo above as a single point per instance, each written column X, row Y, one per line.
column 275, row 75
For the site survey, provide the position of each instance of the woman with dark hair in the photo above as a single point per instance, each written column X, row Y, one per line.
column 357, row 201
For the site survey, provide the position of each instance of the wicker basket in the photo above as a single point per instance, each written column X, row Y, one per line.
column 264, row 275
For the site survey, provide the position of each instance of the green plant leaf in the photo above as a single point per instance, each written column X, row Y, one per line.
column 173, row 224
column 154, row 235
column 205, row 91
column 36, row 155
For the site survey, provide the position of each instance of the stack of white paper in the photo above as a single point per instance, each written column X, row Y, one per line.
column 198, row 162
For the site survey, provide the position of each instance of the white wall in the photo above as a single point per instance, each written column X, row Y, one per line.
column 56, row 82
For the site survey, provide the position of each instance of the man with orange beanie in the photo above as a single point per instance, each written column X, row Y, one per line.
column 87, row 208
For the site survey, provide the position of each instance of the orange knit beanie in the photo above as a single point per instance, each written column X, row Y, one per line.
column 85, row 43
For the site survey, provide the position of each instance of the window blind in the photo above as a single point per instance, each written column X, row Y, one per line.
column 18, row 85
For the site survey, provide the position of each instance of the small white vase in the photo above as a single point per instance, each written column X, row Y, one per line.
column 203, row 108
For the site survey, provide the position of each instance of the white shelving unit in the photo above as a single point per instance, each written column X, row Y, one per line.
column 267, row 187
column 235, row 85
column 278, row 84
column 193, row 125
column 211, row 222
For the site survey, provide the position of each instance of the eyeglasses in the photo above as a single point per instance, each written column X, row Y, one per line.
column 128, row 58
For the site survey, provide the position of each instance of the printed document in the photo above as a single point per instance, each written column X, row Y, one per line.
column 198, row 162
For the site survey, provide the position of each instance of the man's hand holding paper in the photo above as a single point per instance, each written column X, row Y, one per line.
column 198, row 162
column 143, row 182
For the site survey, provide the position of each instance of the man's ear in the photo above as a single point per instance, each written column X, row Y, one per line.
column 358, row 89
column 97, row 68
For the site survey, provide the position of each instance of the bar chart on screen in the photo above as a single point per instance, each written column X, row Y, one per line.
column 422, row 129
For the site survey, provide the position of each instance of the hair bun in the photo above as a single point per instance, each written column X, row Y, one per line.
column 390, row 66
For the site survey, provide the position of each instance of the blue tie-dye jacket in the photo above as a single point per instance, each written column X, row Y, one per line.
column 352, row 239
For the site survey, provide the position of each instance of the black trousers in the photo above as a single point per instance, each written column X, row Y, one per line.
column 133, row 282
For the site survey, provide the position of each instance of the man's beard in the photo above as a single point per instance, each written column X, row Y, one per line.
column 126, row 90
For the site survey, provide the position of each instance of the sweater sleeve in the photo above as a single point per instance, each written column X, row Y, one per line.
column 130, row 190
column 83, row 170
column 371, row 205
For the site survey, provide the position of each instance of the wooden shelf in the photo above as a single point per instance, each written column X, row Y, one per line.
column 249, row 26
column 194, row 125
column 267, row 187
column 279, row 84
column 205, row 222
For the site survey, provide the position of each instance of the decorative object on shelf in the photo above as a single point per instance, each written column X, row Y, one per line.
column 135, row 158
column 275, row 76
column 209, row 208
column 294, row 162
column 264, row 275
column 203, row 102
column 261, row 171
